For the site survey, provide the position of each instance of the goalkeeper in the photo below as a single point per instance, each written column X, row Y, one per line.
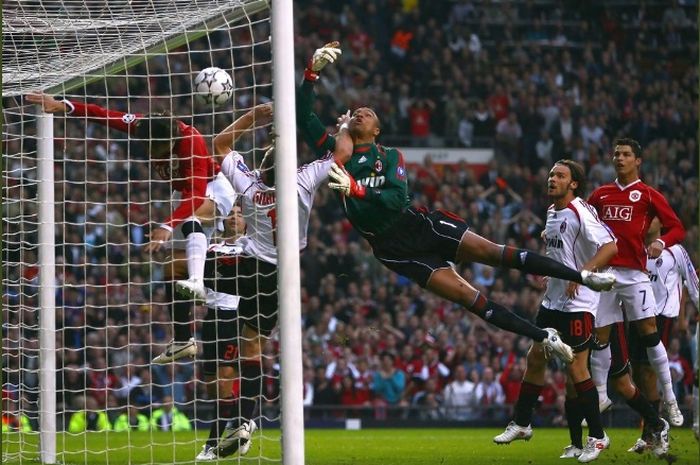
column 413, row 241
column 179, row 154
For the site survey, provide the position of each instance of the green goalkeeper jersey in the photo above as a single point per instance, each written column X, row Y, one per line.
column 380, row 169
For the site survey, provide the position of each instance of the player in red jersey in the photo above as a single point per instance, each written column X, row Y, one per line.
column 627, row 206
column 179, row 154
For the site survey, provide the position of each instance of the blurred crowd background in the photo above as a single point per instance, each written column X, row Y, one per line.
column 535, row 80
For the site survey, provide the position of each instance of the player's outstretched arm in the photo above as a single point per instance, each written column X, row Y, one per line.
column 48, row 103
column 223, row 142
column 119, row 120
column 310, row 127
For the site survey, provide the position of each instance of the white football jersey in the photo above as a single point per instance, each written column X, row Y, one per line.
column 667, row 272
column 573, row 236
column 258, row 203
column 221, row 300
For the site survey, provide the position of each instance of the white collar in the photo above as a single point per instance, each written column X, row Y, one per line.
column 622, row 188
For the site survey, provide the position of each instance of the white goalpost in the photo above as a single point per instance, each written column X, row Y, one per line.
column 84, row 308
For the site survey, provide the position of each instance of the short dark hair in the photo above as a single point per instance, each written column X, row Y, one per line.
column 636, row 148
column 155, row 130
column 578, row 174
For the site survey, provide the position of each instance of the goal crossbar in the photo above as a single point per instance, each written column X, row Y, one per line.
column 60, row 71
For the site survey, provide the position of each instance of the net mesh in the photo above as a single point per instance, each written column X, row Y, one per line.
column 112, row 312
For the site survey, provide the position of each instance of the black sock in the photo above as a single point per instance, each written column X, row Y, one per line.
column 529, row 393
column 224, row 413
column 180, row 315
column 251, row 382
column 572, row 409
column 534, row 263
column 588, row 397
column 643, row 407
column 500, row 316
column 656, row 404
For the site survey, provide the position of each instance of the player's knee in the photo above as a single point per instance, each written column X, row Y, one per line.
column 650, row 340
column 192, row 226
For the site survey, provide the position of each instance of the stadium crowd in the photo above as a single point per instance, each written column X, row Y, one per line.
column 532, row 79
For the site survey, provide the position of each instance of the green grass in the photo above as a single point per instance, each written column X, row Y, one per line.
column 338, row 447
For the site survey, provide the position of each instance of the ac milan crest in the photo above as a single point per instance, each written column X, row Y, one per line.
column 659, row 262
column 562, row 227
column 378, row 166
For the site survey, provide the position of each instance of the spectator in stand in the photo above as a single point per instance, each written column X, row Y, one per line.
column 131, row 419
column 388, row 383
column 489, row 395
column 169, row 418
column 87, row 416
column 460, row 396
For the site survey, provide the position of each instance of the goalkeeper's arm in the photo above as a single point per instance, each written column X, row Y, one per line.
column 311, row 128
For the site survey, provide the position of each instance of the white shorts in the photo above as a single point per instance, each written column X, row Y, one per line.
column 221, row 192
column 633, row 291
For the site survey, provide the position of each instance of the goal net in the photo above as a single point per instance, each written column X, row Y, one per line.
column 112, row 313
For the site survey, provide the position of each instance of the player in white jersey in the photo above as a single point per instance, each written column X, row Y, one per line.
column 255, row 270
column 669, row 273
column 576, row 238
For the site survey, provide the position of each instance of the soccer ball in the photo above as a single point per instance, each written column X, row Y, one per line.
column 213, row 86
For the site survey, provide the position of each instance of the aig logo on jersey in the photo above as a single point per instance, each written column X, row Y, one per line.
column 635, row 196
column 617, row 212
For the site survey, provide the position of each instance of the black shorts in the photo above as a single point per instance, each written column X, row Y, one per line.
column 219, row 340
column 419, row 243
column 619, row 351
column 576, row 328
column 638, row 353
column 254, row 281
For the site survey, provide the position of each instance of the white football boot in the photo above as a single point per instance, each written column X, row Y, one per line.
column 598, row 281
column 512, row 433
column 571, row 452
column 177, row 350
column 554, row 345
column 593, row 448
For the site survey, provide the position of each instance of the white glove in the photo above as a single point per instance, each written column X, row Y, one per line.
column 341, row 179
column 324, row 55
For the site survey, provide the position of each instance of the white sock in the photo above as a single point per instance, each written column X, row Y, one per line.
column 658, row 359
column 600, row 367
column 196, row 252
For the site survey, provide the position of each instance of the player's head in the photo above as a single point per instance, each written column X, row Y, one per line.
column 627, row 156
column 567, row 178
column 364, row 124
column 234, row 224
column 157, row 132
column 267, row 168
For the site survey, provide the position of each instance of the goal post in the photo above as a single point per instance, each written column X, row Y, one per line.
column 47, row 290
column 84, row 308
column 288, row 214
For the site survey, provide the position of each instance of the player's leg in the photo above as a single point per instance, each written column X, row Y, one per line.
column 183, row 344
column 640, row 308
column 446, row 283
column 608, row 314
column 574, row 416
column 655, row 431
column 257, row 287
column 238, row 434
column 198, row 231
column 643, row 375
column 196, row 244
column 474, row 248
column 588, row 406
column 220, row 352
column 530, row 389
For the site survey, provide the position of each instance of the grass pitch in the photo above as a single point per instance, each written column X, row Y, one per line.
column 339, row 447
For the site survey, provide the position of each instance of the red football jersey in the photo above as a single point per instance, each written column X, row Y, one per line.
column 628, row 211
column 192, row 170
